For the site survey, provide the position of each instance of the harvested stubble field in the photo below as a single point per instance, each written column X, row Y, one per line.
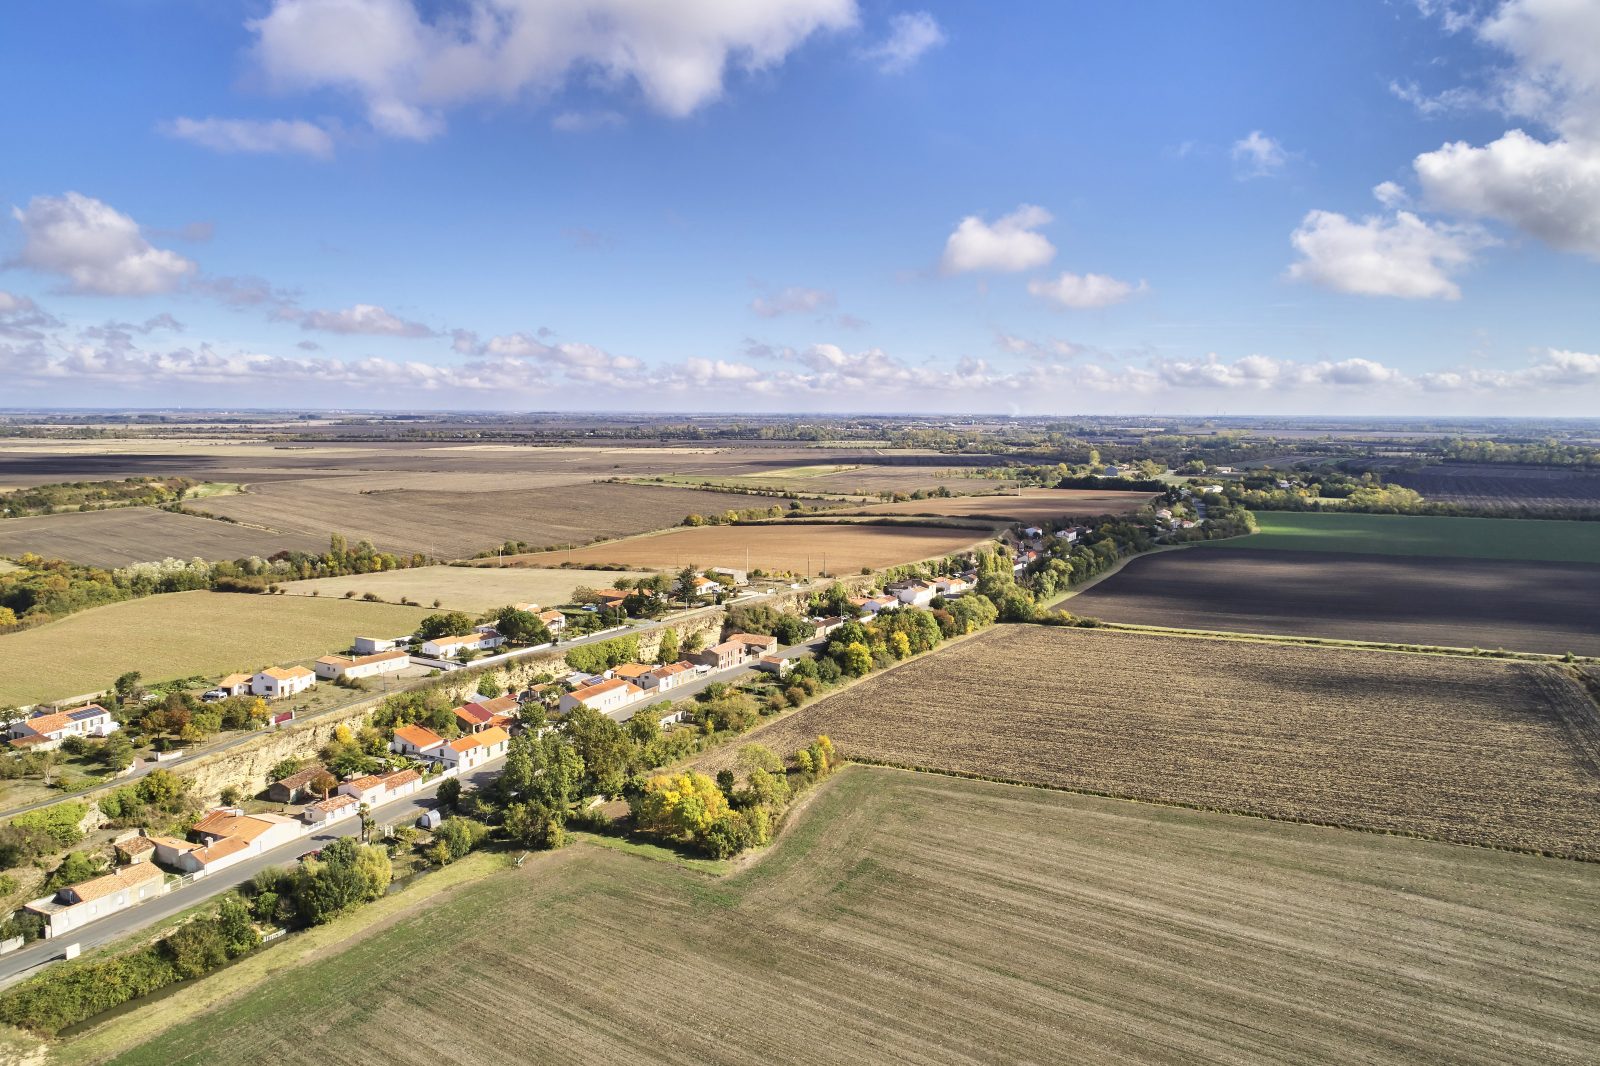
column 1468, row 750
column 1459, row 603
column 1500, row 485
column 1033, row 505
column 181, row 635
column 127, row 535
column 917, row 919
column 1531, row 540
column 448, row 517
column 463, row 588
column 807, row 549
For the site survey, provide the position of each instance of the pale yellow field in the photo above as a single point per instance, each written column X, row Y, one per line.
column 462, row 588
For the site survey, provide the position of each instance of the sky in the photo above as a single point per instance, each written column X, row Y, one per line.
column 740, row 206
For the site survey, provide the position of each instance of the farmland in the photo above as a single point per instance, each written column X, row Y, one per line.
column 127, row 535
column 1503, row 485
column 181, row 635
column 1032, row 506
column 1464, row 603
column 919, row 919
column 447, row 516
column 1467, row 750
column 862, row 480
column 801, row 549
column 462, row 588
column 1475, row 538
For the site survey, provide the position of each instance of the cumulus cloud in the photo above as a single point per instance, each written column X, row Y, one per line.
column 910, row 35
column 21, row 319
column 573, row 360
column 1258, row 156
column 1083, row 291
column 410, row 62
column 795, row 299
column 97, row 248
column 1550, row 190
column 1399, row 255
column 253, row 136
column 368, row 319
column 1008, row 244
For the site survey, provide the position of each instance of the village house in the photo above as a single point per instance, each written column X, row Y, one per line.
column 915, row 593
column 605, row 697
column 634, row 672
column 481, row 639
column 503, row 711
column 45, row 731
column 234, row 685
column 330, row 810
column 77, row 905
column 296, row 788
column 228, row 836
column 756, row 643
column 704, row 587
column 724, row 656
column 553, row 620
column 417, row 741
column 610, row 598
column 824, row 627
column 665, row 678
column 739, row 577
column 335, row 667
column 369, row 789
column 1033, row 532
column 401, row 783
column 277, row 682
column 951, row 586
column 472, row 718
column 531, row 608
column 474, row 750
column 867, row 606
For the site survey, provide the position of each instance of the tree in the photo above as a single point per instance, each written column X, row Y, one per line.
column 490, row 686
column 544, row 770
column 163, row 789
column 116, row 753
column 857, row 659
column 458, row 836
column 683, row 586
column 668, row 652
column 346, row 874
column 127, row 686
column 604, row 747
column 323, row 783
column 449, row 793
column 447, row 624
column 900, row 645
column 680, row 806
column 521, row 627
column 535, row 826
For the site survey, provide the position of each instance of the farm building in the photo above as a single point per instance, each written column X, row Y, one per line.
column 77, row 905
column 277, row 682
column 823, row 627
column 503, row 711
column 335, row 667
column 606, row 696
column 754, row 643
column 45, row 731
column 296, row 788
column 373, row 645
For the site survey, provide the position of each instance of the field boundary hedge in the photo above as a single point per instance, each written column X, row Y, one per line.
column 866, row 760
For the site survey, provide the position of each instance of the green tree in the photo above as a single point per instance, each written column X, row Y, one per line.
column 857, row 659
column 449, row 793
column 668, row 652
column 521, row 627
column 680, row 806
column 345, row 875
column 447, row 624
column 535, row 826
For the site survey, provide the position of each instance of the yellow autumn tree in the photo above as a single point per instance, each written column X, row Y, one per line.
column 681, row 805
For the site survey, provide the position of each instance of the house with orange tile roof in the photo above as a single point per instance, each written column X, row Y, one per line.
column 235, row 684
column 280, row 682
column 70, row 908
column 415, row 740
column 354, row 667
column 47, row 730
column 604, row 696
column 481, row 639
column 475, row 749
column 227, row 835
column 553, row 620
column 296, row 788
column 665, row 678
column 330, row 810
column 471, row 717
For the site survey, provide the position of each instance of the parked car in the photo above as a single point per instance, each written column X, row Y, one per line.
column 213, row 695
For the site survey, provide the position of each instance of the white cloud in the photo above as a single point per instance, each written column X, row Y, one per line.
column 22, row 319
column 910, row 35
column 98, row 248
column 293, row 136
column 1551, row 190
column 1009, row 244
column 1555, row 47
column 1400, row 255
column 408, row 64
column 795, row 299
column 1446, row 101
column 1082, row 291
column 1258, row 156
column 368, row 319
column 573, row 360
column 1390, row 194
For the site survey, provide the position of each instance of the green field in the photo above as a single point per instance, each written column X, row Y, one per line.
column 181, row 635
column 1472, row 538
column 921, row 919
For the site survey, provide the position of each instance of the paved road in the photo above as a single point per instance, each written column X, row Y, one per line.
column 30, row 959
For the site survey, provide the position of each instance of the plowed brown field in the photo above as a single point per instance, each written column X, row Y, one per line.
column 1467, row 750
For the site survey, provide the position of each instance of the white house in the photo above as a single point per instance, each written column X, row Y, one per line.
column 416, row 741
column 553, row 620
column 333, row 667
column 915, row 593
column 369, row 789
column 604, row 697
column 277, row 682
column 666, row 678
column 45, row 731
column 450, row 647
column 330, row 810
column 951, row 586
column 1033, row 532
column 775, row 664
column 373, row 645
column 476, row 749
column 867, row 606
column 229, row 836
column 235, row 684
column 77, row 905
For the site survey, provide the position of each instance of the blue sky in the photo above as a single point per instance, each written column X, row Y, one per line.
column 803, row 205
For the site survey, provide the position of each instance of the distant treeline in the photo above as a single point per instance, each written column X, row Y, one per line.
column 94, row 495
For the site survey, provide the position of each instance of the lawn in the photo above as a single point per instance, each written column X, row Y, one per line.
column 461, row 588
column 184, row 634
column 922, row 919
column 1473, row 538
